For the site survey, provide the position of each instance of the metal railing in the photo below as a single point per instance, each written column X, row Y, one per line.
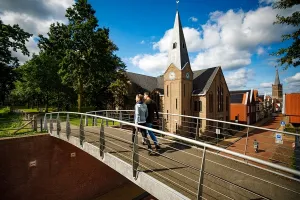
column 196, row 169
column 233, row 136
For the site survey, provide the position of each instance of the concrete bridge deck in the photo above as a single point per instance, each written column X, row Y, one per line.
column 178, row 166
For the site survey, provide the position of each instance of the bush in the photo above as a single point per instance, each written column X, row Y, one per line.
column 4, row 110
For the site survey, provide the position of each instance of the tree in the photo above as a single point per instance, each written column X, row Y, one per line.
column 11, row 38
column 119, row 89
column 89, row 57
column 291, row 54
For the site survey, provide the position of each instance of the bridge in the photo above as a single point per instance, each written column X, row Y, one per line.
column 187, row 167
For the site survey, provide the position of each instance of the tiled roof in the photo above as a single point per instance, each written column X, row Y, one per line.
column 201, row 81
column 236, row 98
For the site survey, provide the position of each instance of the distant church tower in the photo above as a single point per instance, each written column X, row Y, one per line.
column 277, row 88
column 178, row 80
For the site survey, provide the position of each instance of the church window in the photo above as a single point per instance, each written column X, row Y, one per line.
column 200, row 106
column 167, row 114
column 174, row 45
column 195, row 106
column 167, row 91
column 183, row 45
column 184, row 90
column 176, row 103
column 227, row 103
column 211, row 102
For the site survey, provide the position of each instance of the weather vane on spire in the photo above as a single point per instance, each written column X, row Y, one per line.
column 177, row 2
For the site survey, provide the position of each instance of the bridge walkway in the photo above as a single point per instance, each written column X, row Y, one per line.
column 178, row 166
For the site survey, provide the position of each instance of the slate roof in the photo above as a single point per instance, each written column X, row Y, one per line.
column 277, row 81
column 202, row 80
column 236, row 98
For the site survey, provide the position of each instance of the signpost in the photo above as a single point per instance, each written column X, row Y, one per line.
column 278, row 138
column 218, row 133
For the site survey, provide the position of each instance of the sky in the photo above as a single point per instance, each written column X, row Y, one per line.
column 237, row 35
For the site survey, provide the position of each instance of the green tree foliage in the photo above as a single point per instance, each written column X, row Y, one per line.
column 11, row 38
column 119, row 89
column 88, row 62
column 290, row 56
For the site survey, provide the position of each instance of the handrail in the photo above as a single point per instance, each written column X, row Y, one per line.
column 194, row 142
column 214, row 120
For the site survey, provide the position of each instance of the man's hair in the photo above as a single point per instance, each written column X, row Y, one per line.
column 146, row 93
column 141, row 97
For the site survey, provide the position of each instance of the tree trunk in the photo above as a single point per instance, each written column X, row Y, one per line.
column 47, row 100
column 80, row 95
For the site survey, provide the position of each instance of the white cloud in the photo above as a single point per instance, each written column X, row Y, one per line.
column 33, row 16
column 260, row 51
column 228, row 39
column 155, row 63
column 193, row 19
column 142, row 42
column 293, row 79
column 266, row 1
column 266, row 85
column 225, row 56
column 239, row 78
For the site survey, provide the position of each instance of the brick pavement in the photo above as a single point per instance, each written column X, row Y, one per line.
column 268, row 149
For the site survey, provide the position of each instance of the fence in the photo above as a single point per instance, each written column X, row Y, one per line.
column 197, row 169
column 233, row 136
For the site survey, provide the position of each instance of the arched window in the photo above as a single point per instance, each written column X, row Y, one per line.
column 174, row 45
column 211, row 102
column 183, row 45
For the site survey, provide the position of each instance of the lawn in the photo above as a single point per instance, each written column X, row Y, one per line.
column 9, row 122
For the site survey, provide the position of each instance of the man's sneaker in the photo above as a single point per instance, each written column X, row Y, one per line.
column 144, row 143
column 150, row 151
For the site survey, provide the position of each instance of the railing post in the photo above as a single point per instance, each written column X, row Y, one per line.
column 246, row 144
column 197, row 130
column 102, row 140
column 81, row 131
column 51, row 124
column 86, row 121
column 58, row 128
column 120, row 118
column 34, row 121
column 201, row 176
column 95, row 120
column 135, row 155
column 162, row 123
column 106, row 119
column 68, row 128
column 45, row 123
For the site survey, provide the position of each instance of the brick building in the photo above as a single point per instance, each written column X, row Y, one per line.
column 291, row 107
column 243, row 106
column 202, row 93
column 277, row 88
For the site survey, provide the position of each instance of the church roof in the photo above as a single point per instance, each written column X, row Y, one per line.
column 202, row 81
column 178, row 54
column 277, row 81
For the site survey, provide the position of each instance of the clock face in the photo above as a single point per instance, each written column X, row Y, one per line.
column 187, row 75
column 172, row 75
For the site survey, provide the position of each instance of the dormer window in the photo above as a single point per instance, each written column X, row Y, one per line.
column 174, row 45
column 183, row 46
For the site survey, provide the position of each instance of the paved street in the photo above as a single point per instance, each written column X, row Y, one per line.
column 268, row 149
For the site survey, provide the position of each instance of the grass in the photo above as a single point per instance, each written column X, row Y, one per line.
column 9, row 122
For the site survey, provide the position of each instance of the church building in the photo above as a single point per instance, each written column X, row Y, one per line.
column 202, row 93
column 277, row 88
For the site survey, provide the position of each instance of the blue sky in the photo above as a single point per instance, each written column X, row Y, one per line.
column 237, row 34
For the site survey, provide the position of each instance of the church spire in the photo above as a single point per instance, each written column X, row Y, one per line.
column 277, row 81
column 178, row 54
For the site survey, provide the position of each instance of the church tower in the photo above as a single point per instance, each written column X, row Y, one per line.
column 277, row 88
column 178, row 81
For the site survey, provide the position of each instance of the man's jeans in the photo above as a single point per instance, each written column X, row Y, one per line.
column 153, row 137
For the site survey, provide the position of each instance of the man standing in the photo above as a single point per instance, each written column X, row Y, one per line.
column 151, row 105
